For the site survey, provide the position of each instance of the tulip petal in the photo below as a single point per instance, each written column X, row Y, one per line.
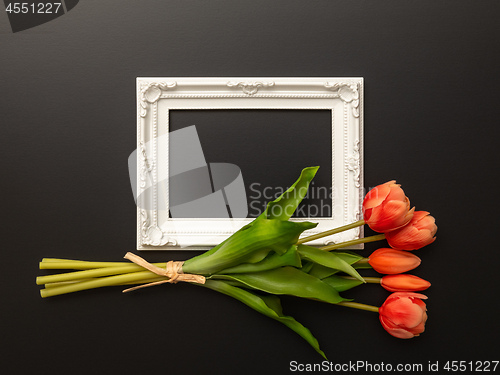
column 390, row 261
column 434, row 230
column 367, row 214
column 404, row 282
column 377, row 195
column 403, row 312
column 394, row 209
column 422, row 237
column 418, row 329
column 410, row 238
column 396, row 193
column 394, row 330
column 408, row 294
column 420, row 303
column 389, row 216
column 421, row 327
column 419, row 215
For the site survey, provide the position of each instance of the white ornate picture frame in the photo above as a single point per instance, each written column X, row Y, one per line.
column 343, row 97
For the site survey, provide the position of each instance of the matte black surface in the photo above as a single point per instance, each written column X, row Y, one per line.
column 68, row 125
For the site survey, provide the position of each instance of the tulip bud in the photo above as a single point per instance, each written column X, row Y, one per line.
column 419, row 232
column 390, row 261
column 386, row 208
column 404, row 314
column 404, row 283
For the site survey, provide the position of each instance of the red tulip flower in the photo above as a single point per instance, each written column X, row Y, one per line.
column 404, row 314
column 419, row 232
column 404, row 283
column 386, row 208
column 390, row 261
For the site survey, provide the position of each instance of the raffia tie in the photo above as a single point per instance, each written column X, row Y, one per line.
column 173, row 271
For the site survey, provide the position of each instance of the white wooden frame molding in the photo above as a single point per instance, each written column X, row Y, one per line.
column 157, row 96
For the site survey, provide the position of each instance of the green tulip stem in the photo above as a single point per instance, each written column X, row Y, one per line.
column 374, row 238
column 330, row 232
column 359, row 306
column 363, row 261
column 67, row 264
column 369, row 280
column 88, row 273
column 91, row 283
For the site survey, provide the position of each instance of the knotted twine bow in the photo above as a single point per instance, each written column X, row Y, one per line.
column 173, row 271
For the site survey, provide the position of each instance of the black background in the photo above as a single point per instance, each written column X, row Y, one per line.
column 279, row 139
column 68, row 125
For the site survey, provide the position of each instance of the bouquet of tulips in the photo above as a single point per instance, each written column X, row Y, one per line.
column 266, row 259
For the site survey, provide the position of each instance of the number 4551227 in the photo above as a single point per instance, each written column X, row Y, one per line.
column 470, row 366
column 33, row 8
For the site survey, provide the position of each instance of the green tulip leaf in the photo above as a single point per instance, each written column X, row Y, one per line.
column 328, row 259
column 249, row 245
column 273, row 260
column 216, row 248
column 286, row 281
column 307, row 266
column 341, row 284
column 362, row 266
column 283, row 207
column 269, row 306
column 348, row 256
column 322, row 272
